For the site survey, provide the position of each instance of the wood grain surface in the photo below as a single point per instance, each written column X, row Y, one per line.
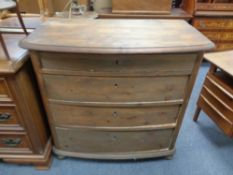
column 117, row 36
column 224, row 60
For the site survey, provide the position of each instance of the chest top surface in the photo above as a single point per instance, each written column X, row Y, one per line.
column 223, row 60
column 116, row 36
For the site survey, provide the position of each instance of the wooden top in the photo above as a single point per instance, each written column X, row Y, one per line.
column 223, row 60
column 7, row 4
column 176, row 13
column 17, row 55
column 117, row 36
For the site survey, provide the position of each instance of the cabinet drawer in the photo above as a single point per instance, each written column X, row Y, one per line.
column 72, row 115
column 211, row 111
column 9, row 116
column 219, row 36
column 141, row 7
column 225, row 111
column 223, row 89
column 220, row 6
column 221, row 46
column 5, row 94
column 14, row 142
column 214, row 23
column 115, row 89
column 117, row 64
column 95, row 141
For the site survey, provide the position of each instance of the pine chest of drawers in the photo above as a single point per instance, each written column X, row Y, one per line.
column 116, row 89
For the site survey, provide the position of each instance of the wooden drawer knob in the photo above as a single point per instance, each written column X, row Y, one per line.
column 4, row 117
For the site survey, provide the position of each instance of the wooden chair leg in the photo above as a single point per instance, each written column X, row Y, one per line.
column 20, row 18
column 4, row 46
column 198, row 110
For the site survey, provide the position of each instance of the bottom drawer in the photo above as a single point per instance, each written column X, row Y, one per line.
column 98, row 141
column 216, row 116
column 14, row 142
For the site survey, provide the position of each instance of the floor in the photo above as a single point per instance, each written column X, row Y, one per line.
column 202, row 149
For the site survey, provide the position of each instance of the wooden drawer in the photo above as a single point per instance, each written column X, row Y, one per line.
column 115, row 89
column 128, row 65
column 71, row 115
column 221, row 88
column 96, row 141
column 12, row 142
column 224, row 46
column 220, row 106
column 142, row 7
column 213, row 23
column 214, row 6
column 5, row 94
column 211, row 111
column 9, row 116
column 219, row 36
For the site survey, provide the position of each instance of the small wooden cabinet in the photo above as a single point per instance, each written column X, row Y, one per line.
column 121, row 94
column 24, row 136
column 214, row 19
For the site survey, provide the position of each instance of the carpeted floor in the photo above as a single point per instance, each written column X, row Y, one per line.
column 202, row 149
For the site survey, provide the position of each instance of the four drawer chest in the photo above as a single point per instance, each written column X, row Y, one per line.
column 116, row 89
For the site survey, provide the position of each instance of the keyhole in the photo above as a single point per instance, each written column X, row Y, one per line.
column 114, row 114
column 117, row 62
column 114, row 138
column 116, row 85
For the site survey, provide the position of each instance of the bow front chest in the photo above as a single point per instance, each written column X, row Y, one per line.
column 116, row 89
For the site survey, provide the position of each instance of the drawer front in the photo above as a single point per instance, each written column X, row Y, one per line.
column 210, row 110
column 219, row 36
column 113, row 116
column 224, row 110
column 214, row 6
column 224, row 46
column 144, row 7
column 93, row 141
column 5, row 94
column 222, row 90
column 114, row 89
column 120, row 64
column 213, row 24
column 14, row 141
column 9, row 116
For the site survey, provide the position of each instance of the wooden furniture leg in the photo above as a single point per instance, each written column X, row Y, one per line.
column 45, row 165
column 198, row 110
column 20, row 18
column 4, row 46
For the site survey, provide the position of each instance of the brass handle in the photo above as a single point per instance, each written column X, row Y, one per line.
column 4, row 117
column 11, row 142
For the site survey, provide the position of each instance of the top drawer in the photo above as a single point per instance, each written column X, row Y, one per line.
column 5, row 94
column 117, row 64
column 213, row 23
